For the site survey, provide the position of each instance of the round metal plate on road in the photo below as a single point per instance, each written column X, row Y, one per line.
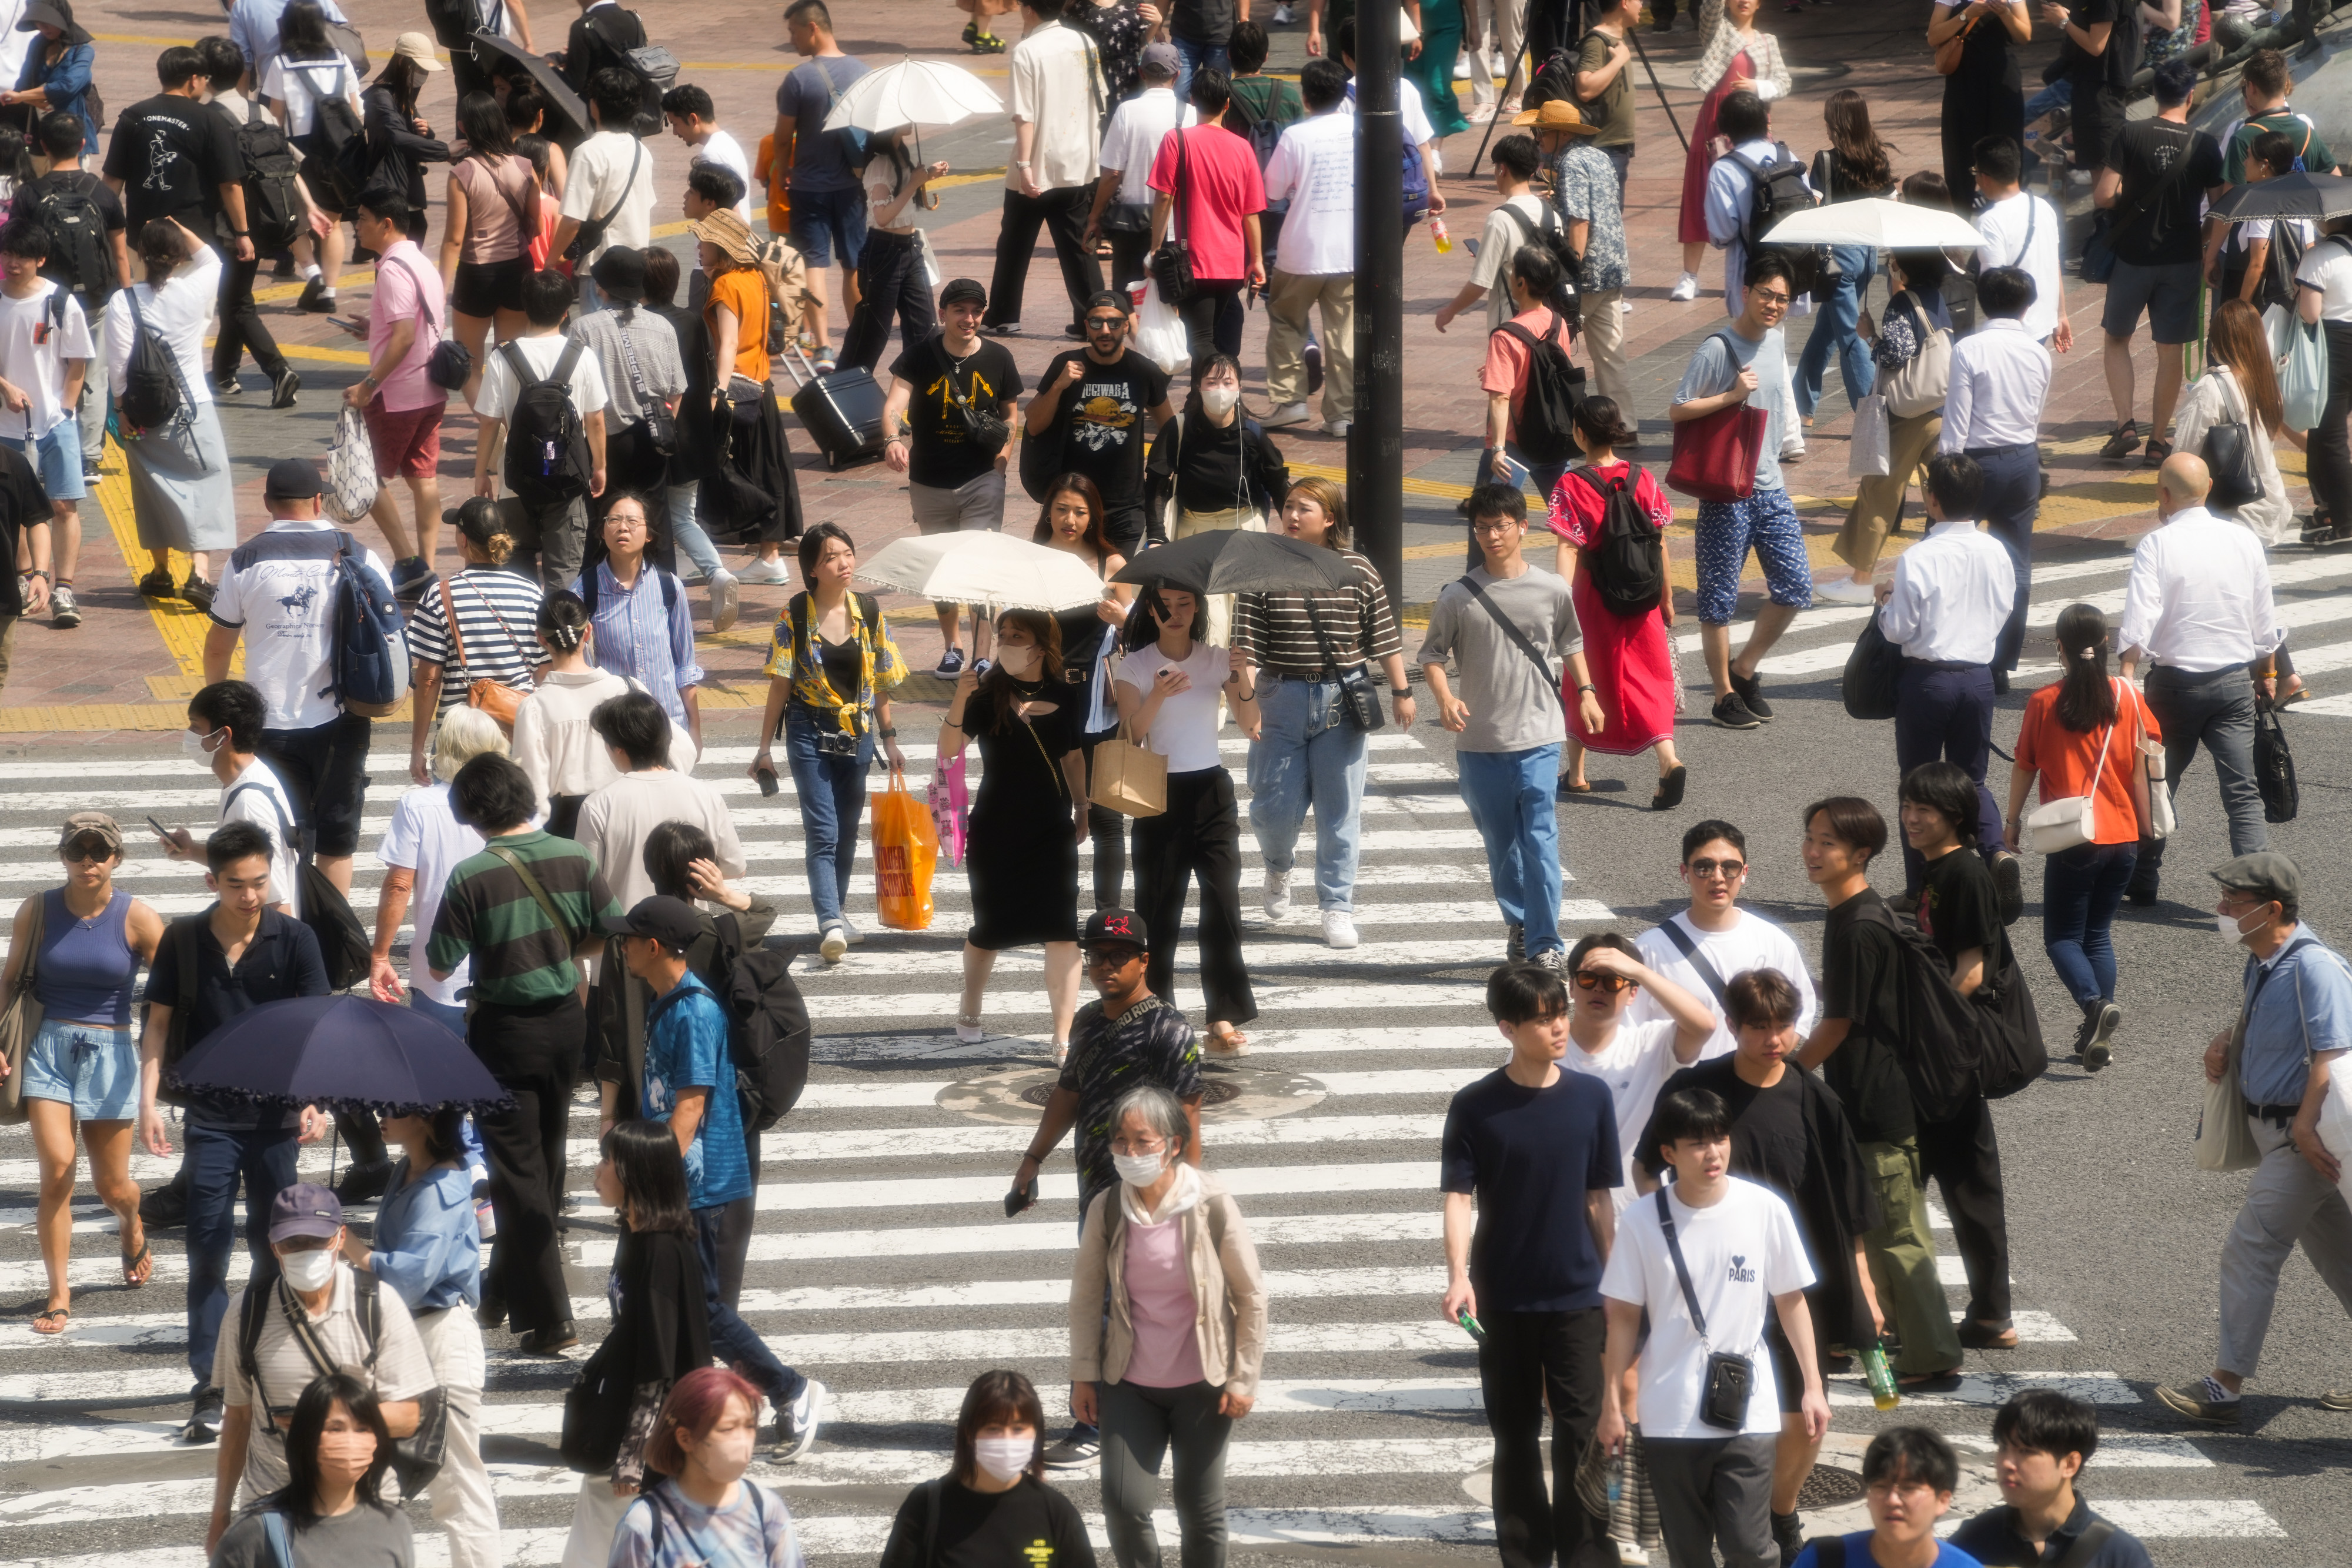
column 1014, row 1095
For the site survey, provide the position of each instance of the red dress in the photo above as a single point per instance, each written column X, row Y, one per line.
column 1692, row 226
column 1632, row 664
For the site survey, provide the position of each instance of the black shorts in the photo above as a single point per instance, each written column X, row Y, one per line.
column 1790, row 1380
column 486, row 288
column 325, row 773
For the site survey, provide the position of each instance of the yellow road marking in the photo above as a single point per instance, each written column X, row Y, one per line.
column 180, row 624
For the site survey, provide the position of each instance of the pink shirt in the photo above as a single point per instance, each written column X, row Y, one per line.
column 1222, row 187
column 401, row 273
column 1159, row 1298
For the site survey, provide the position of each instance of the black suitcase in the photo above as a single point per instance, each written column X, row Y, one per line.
column 842, row 411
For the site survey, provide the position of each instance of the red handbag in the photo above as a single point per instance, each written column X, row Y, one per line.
column 1716, row 457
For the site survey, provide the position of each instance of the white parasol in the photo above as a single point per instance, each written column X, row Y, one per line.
column 912, row 92
column 1875, row 221
column 978, row 568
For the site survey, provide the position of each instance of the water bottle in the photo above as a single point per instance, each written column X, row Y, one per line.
column 1880, row 1376
column 1437, row 232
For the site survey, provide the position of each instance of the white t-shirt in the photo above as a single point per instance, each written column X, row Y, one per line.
column 260, row 786
column 180, row 312
column 1137, row 129
column 2328, row 266
column 1314, row 169
column 426, row 839
column 727, row 154
column 1751, row 942
column 1634, row 1065
column 33, row 355
column 301, row 84
column 1497, row 247
column 2021, row 231
column 589, row 394
column 279, row 591
column 596, row 184
column 1742, row 1251
column 1184, row 730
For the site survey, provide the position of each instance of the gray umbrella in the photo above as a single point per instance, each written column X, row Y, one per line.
column 561, row 99
column 2289, row 197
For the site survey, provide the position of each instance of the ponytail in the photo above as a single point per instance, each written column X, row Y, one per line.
column 2086, row 697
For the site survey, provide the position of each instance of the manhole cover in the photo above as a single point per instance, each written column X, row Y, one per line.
column 1215, row 1092
column 1013, row 1095
column 1828, row 1487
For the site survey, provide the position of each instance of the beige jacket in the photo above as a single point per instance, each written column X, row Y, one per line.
column 1227, row 1287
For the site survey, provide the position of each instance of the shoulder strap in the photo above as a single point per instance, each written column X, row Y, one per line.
column 566, row 362
column 522, row 868
column 525, row 377
column 291, row 837
column 636, row 376
column 1511, row 631
column 2086, row 1545
column 495, row 614
column 1529, row 228
column 1696, row 959
column 2155, row 194
column 1682, row 1270
column 423, row 309
column 932, row 1490
column 636, row 157
column 281, row 1545
column 1829, row 1551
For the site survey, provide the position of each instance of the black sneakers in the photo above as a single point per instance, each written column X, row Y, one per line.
column 2009, row 884
column 1749, row 690
column 1731, row 712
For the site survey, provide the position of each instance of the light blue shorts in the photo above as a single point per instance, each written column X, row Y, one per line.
column 88, row 1066
column 57, row 455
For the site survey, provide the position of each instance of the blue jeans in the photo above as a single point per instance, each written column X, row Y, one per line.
column 730, row 1337
column 1513, row 798
column 2081, row 888
column 1305, row 754
column 1191, row 57
column 1834, row 330
column 688, row 533
column 217, row 1157
column 832, row 799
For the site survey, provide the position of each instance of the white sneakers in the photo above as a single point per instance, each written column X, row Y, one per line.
column 724, row 603
column 1844, row 591
column 1282, row 15
column 1337, row 428
column 1338, row 928
column 766, row 573
column 1278, row 894
column 833, row 946
column 1288, row 413
column 1624, row 308
column 1686, row 286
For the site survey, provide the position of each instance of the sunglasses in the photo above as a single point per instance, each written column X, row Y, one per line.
column 1105, row 323
column 1729, row 869
column 1595, row 980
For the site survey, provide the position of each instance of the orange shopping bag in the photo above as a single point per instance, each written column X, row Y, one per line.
column 906, row 848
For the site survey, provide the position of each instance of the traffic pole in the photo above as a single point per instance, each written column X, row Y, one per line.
column 1376, row 438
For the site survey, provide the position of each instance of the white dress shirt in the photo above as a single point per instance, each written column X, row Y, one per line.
column 2000, row 374
column 2198, row 598
column 2024, row 231
column 1952, row 591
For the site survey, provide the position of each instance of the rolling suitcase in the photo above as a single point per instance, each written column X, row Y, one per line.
column 842, row 412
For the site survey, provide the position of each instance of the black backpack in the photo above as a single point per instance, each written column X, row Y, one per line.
column 341, row 145
column 547, row 445
column 1555, row 78
column 767, row 1034
column 1551, row 232
column 149, row 396
column 1774, row 190
column 1548, row 409
column 1628, row 556
column 1953, row 1048
column 344, row 942
column 80, row 256
column 274, row 214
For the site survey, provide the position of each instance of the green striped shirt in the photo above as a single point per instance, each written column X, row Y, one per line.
column 489, row 915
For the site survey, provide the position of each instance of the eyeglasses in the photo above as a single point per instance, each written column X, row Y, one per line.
column 1123, row 1145
column 1728, row 870
column 1595, row 980
column 1110, row 957
column 1494, row 524
column 1764, row 296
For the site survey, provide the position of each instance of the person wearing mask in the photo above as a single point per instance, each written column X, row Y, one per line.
column 1172, row 688
column 1220, row 470
column 2198, row 610
column 422, row 844
column 744, row 281
column 2042, row 1440
column 1071, row 520
column 1854, row 167
column 225, row 732
column 1992, row 415
column 425, row 1248
column 1091, row 404
column 81, row 1069
column 1908, row 1476
column 493, row 206
column 644, row 627
column 831, row 669
column 611, row 176
column 1915, row 322
column 660, row 1335
column 1123, row 197
column 1863, row 1024
column 554, row 744
column 2086, row 737
column 551, row 535
column 1512, row 224
column 525, row 1022
column 700, row 1448
column 1740, row 72
column 1208, row 191
column 1713, row 940
column 939, row 387
column 994, row 1494
column 1503, row 623
column 615, row 820
column 1510, row 359
column 56, row 74
column 1021, row 853
column 168, row 159
column 1529, row 1164
column 400, row 141
column 1057, row 99
column 1174, row 1362
column 181, row 495
column 45, row 354
column 637, row 351
column 891, row 270
column 472, row 627
column 1312, row 175
column 2024, row 231
column 1588, row 187
column 1605, row 982
column 2239, row 386
column 338, row 1448
column 1984, row 96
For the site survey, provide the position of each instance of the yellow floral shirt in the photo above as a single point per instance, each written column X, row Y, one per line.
column 794, row 656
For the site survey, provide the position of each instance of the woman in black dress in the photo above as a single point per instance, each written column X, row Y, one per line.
column 1072, row 520
column 1027, row 816
column 1984, row 96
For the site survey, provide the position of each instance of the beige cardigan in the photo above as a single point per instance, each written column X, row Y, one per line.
column 1227, row 1288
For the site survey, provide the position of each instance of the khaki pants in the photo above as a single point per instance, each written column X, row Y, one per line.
column 1221, row 605
column 2288, row 1203
column 1287, row 302
column 1497, row 20
column 595, row 1515
column 1902, row 1256
column 1604, row 348
column 463, row 1504
column 1875, row 504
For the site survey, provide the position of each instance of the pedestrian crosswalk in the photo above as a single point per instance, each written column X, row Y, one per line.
column 882, row 1264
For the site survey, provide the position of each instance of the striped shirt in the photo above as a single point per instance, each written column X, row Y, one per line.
column 1273, row 631
column 646, row 631
column 498, row 617
column 488, row 914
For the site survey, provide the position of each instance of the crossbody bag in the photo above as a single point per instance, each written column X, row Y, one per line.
column 658, row 428
column 2062, row 824
column 532, row 885
column 1727, row 1381
column 496, row 698
column 1696, row 959
column 451, row 364
column 1360, row 705
column 1510, row 630
column 590, row 234
column 2099, row 256
column 416, row 1458
column 1171, row 264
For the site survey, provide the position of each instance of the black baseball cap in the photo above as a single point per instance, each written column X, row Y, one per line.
column 292, row 479
column 963, row 291
column 1109, row 925
column 1109, row 299
column 669, row 921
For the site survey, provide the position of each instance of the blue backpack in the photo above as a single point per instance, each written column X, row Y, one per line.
column 367, row 667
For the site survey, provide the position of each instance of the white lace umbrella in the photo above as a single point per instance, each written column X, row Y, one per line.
column 1889, row 225
column 977, row 567
column 912, row 92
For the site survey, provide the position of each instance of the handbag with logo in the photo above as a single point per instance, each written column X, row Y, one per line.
column 351, row 484
column 20, row 1020
column 1128, row 776
column 2073, row 820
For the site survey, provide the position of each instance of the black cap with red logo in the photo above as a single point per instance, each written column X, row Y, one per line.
column 1107, row 925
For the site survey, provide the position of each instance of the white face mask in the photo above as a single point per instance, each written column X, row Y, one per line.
column 1004, row 1457
column 1219, row 400
column 196, row 748
column 2227, row 926
column 1139, row 1170
column 309, row 1270
column 1019, row 662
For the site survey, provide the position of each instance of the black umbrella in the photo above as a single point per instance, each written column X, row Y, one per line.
column 1233, row 561
column 2289, row 197
column 347, row 1052
column 550, row 83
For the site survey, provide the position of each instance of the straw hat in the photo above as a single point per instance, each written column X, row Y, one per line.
column 727, row 230
column 1556, row 114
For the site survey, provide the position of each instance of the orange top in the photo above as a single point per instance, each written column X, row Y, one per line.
column 780, row 197
column 2065, row 759
column 742, row 291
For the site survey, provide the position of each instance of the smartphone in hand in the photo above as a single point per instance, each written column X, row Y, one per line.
column 355, row 328
column 1021, row 1197
column 768, row 781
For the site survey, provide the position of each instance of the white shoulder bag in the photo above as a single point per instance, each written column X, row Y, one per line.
column 2160, row 819
column 2062, row 824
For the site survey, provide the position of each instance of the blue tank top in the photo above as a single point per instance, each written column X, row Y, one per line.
column 86, row 968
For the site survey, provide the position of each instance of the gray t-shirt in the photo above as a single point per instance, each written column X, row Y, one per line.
column 1511, row 706
column 655, row 343
column 363, row 1538
column 1717, row 366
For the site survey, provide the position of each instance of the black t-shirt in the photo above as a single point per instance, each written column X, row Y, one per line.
column 1960, row 909
column 23, row 505
column 1862, row 982
column 1209, row 22
column 2164, row 228
column 173, row 154
column 1532, row 1155
column 1100, row 421
column 939, row 454
column 2114, row 67
column 1768, row 1125
column 1032, row 1524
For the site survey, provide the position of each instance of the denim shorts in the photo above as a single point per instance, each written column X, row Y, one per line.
column 57, row 455
column 823, row 221
column 89, row 1066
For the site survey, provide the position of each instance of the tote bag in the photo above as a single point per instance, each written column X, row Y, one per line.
column 1715, row 457
column 1127, row 778
column 906, row 848
column 1870, row 454
column 20, row 1020
column 2302, row 376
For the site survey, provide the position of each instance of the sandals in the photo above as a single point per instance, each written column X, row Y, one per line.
column 1975, row 1333
column 1671, row 785
column 55, row 1317
column 139, row 1267
column 1231, row 1043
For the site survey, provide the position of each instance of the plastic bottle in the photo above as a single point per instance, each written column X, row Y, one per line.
column 1880, row 1376
column 1437, row 232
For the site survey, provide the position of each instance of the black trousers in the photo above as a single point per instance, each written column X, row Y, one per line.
column 241, row 327
column 1198, row 836
column 534, row 1053
column 360, row 1135
column 2011, row 500
column 1130, row 249
column 1108, row 829
column 1975, row 108
column 890, row 280
column 1214, row 317
column 2331, row 451
column 1529, row 1361
column 1063, row 213
column 1961, row 1157
column 1945, row 714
